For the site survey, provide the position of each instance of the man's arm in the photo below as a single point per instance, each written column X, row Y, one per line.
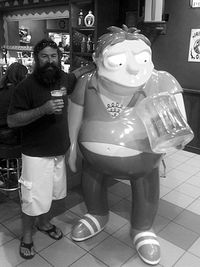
column 26, row 117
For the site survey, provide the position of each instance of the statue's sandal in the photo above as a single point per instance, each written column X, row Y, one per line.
column 88, row 227
column 147, row 247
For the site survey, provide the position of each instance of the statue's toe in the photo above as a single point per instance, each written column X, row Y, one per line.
column 88, row 226
column 147, row 247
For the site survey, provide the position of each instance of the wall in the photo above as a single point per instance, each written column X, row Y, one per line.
column 13, row 33
column 37, row 20
column 55, row 24
column 37, row 29
column 192, row 105
column 170, row 51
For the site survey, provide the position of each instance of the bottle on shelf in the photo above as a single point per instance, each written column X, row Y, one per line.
column 82, row 63
column 80, row 18
column 89, row 44
column 89, row 19
column 83, row 45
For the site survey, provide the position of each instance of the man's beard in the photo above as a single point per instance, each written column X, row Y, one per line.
column 47, row 75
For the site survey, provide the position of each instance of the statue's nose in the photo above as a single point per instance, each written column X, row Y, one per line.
column 132, row 68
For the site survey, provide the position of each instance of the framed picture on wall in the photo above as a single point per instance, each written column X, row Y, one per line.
column 194, row 46
column 24, row 36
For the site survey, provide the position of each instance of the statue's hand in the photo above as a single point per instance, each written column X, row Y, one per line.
column 72, row 159
column 180, row 147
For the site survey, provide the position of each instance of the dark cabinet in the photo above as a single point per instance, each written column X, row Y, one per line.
column 151, row 29
column 84, row 36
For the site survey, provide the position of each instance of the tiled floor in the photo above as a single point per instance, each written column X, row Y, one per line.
column 177, row 225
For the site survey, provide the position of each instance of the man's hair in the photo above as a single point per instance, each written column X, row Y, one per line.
column 117, row 35
column 45, row 43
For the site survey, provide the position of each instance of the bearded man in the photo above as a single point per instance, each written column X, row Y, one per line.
column 45, row 140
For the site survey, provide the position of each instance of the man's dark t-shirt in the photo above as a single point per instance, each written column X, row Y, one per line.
column 47, row 136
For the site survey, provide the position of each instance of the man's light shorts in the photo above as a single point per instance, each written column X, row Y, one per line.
column 42, row 180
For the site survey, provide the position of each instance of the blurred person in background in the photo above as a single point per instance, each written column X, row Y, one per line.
column 15, row 73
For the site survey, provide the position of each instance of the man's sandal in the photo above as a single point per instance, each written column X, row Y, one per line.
column 26, row 250
column 53, row 232
column 147, row 247
column 88, row 226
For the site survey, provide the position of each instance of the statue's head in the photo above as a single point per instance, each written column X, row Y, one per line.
column 124, row 57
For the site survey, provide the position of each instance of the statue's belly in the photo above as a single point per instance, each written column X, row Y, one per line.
column 119, row 162
column 117, row 147
column 110, row 149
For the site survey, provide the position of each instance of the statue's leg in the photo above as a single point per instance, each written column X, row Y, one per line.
column 145, row 200
column 94, row 186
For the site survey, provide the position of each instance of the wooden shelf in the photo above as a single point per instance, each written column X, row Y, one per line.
column 106, row 13
column 84, row 29
column 158, row 26
column 18, row 47
column 77, row 58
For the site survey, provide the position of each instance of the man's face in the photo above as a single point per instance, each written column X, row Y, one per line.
column 48, row 70
column 48, row 55
column 127, row 63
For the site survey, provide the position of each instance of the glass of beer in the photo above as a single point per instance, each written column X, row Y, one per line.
column 57, row 94
column 166, row 127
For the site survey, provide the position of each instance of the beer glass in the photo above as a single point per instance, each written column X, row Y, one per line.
column 166, row 127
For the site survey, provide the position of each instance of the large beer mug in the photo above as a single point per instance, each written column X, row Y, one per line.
column 166, row 127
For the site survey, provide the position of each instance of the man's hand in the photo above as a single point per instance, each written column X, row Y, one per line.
column 52, row 106
column 27, row 116
column 180, row 147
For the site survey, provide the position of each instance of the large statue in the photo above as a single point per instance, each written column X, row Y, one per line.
column 123, row 117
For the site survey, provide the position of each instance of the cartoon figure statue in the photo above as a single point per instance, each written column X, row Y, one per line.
column 107, row 120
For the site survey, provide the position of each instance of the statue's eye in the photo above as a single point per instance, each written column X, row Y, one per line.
column 116, row 60
column 143, row 57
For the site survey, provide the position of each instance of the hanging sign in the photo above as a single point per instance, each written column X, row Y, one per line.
column 194, row 48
